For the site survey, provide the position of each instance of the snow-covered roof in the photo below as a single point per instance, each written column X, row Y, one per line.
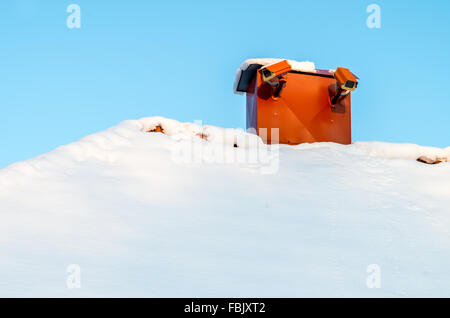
column 170, row 202
column 243, row 77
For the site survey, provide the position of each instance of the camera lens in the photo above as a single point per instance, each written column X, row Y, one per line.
column 266, row 72
column 350, row 84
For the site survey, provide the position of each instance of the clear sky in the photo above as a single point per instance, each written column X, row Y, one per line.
column 178, row 59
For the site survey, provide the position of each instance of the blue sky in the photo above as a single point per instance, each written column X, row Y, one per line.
column 133, row 59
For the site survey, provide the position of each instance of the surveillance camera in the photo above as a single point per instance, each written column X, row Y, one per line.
column 278, row 69
column 345, row 79
column 346, row 82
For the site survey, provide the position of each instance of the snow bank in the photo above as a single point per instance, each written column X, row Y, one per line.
column 386, row 150
column 226, row 136
column 137, row 222
column 296, row 66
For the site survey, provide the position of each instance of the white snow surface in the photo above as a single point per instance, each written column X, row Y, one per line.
column 305, row 66
column 140, row 223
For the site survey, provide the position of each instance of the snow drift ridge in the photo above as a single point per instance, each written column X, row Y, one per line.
column 140, row 224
